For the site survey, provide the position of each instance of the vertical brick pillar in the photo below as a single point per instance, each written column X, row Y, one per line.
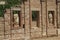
column 40, row 18
column 27, row 26
column 44, row 17
column 1, row 28
column 22, row 11
column 58, row 18
column 7, row 23
column 58, row 15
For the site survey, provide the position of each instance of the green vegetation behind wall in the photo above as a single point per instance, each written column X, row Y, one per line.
column 9, row 4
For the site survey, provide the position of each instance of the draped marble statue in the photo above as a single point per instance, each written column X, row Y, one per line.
column 16, row 19
column 50, row 17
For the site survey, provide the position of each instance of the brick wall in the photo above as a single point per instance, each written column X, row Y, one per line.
column 32, row 32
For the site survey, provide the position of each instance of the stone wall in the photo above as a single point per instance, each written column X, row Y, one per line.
column 1, row 28
column 45, row 31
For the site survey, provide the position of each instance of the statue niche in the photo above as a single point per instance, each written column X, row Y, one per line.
column 16, row 19
column 51, row 17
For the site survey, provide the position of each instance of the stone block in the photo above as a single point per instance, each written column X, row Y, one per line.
column 17, row 36
column 36, row 34
column 58, row 31
column 21, row 31
column 7, row 32
column 35, row 29
column 52, row 32
column 2, row 28
column 1, row 31
column 7, row 27
column 2, row 37
column 7, row 36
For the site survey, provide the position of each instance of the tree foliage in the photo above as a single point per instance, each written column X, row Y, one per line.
column 9, row 4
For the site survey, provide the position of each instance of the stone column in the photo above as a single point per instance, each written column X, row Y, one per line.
column 27, row 26
column 1, row 28
column 22, row 11
column 44, row 18
column 7, row 23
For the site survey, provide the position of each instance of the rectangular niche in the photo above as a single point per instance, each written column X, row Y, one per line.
column 35, row 18
column 16, row 19
column 51, row 17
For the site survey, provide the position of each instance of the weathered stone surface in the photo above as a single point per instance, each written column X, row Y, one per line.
column 52, row 32
column 30, row 30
